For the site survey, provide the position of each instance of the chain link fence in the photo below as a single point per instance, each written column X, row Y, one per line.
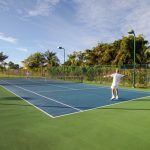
column 96, row 74
column 89, row 74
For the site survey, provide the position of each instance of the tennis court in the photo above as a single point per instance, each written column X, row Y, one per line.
column 60, row 98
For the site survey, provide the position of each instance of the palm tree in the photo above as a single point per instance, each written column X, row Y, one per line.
column 90, row 57
column 147, row 55
column 5, row 64
column 34, row 61
column 125, row 51
column 71, row 59
column 12, row 65
column 2, row 58
column 75, row 59
column 51, row 59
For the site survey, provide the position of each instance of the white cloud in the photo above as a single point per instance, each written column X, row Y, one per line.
column 4, row 5
column 43, row 7
column 112, row 18
column 23, row 49
column 138, row 19
column 97, row 13
column 6, row 38
column 3, row 2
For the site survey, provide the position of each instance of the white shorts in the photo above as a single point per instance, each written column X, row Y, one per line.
column 114, row 86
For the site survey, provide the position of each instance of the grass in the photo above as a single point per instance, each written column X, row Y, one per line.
column 123, row 126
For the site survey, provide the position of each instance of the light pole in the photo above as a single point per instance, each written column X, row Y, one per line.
column 64, row 59
column 133, row 33
column 64, row 52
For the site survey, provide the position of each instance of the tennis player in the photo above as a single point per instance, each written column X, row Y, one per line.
column 116, row 80
column 27, row 74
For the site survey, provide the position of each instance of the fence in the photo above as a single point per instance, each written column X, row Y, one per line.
column 95, row 74
column 90, row 74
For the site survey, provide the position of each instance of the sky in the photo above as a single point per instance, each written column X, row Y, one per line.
column 29, row 26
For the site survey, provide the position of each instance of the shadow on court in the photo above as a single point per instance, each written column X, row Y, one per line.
column 12, row 104
column 46, row 106
column 145, row 100
column 9, row 98
column 114, row 108
column 13, row 98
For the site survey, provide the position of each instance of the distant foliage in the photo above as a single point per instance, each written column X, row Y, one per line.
column 38, row 61
column 117, row 53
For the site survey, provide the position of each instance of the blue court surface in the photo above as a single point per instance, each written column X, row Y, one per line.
column 62, row 98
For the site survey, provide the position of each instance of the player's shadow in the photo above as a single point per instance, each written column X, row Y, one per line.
column 127, row 99
column 144, row 100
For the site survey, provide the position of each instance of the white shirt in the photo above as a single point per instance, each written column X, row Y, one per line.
column 116, row 78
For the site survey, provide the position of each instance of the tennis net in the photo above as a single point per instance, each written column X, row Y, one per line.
column 33, row 80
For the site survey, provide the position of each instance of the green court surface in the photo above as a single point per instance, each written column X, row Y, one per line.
column 124, row 126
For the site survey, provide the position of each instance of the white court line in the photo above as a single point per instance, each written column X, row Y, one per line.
column 49, row 91
column 120, row 88
column 58, row 86
column 63, row 87
column 97, row 87
column 108, row 87
column 68, row 90
column 100, row 107
column 27, row 102
column 44, row 96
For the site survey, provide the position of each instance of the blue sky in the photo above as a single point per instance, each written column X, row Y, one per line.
column 28, row 26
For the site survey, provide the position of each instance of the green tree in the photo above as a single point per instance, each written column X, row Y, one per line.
column 147, row 55
column 118, row 53
column 2, row 57
column 51, row 59
column 12, row 65
column 39, row 60
column 75, row 59
column 90, row 57
column 71, row 59
column 125, row 54
column 34, row 61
